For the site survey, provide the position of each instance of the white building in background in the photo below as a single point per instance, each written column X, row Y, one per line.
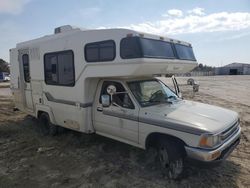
column 233, row 69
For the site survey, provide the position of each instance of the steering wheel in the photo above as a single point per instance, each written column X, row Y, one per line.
column 155, row 95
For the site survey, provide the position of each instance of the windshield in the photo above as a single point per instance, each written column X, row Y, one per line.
column 151, row 92
column 185, row 52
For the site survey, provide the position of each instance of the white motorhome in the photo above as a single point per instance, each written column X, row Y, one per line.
column 102, row 81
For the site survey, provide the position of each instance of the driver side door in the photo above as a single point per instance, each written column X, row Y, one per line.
column 120, row 119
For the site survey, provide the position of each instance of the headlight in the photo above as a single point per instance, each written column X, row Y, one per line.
column 209, row 141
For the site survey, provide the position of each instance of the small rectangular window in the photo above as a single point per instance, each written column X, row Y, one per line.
column 91, row 54
column 26, row 67
column 59, row 68
column 100, row 51
column 130, row 48
column 157, row 49
column 121, row 99
column 184, row 52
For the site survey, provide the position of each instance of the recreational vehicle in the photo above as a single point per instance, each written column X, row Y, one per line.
column 102, row 81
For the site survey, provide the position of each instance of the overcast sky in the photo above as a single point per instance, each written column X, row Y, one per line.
column 218, row 30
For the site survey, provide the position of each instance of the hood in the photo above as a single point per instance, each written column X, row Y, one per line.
column 191, row 116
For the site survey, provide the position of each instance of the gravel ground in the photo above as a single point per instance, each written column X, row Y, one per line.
column 72, row 159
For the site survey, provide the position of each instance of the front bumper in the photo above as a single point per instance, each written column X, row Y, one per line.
column 217, row 154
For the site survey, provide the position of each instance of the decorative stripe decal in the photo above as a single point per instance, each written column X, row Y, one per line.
column 121, row 115
column 52, row 99
column 171, row 125
column 159, row 123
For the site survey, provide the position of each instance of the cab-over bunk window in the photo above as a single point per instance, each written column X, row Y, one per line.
column 139, row 47
column 59, row 68
column 184, row 52
column 100, row 51
column 136, row 47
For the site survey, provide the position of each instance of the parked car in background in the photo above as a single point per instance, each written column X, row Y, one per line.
column 4, row 77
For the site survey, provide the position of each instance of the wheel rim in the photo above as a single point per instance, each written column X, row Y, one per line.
column 172, row 168
column 175, row 169
column 163, row 156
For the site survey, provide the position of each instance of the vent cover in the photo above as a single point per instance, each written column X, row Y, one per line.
column 62, row 29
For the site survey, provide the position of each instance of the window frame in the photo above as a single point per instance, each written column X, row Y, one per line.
column 98, row 43
column 146, row 80
column 56, row 54
column 116, row 82
column 141, row 49
column 27, row 80
column 177, row 55
column 158, row 57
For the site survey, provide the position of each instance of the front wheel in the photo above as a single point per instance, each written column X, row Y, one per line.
column 171, row 158
column 46, row 127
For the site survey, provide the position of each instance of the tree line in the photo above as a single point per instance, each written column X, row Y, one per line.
column 4, row 66
column 203, row 68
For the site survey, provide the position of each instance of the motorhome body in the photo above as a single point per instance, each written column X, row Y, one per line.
column 70, row 75
column 59, row 98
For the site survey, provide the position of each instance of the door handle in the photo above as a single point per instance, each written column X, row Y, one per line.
column 99, row 109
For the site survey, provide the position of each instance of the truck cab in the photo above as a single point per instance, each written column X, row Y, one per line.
column 145, row 112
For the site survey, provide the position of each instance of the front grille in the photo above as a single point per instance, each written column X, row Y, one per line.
column 230, row 131
column 229, row 149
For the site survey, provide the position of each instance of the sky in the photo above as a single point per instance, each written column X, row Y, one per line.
column 219, row 31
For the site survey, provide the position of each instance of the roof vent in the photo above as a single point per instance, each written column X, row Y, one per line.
column 62, row 29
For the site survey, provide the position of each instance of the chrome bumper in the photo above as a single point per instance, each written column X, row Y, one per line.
column 219, row 153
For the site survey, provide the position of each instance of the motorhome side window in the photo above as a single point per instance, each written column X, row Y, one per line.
column 26, row 67
column 100, row 51
column 59, row 68
column 120, row 99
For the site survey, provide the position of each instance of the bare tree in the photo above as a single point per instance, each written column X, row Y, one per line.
column 4, row 66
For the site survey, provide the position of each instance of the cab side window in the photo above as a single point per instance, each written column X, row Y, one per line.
column 120, row 99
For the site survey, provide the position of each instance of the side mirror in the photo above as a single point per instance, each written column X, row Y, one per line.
column 105, row 100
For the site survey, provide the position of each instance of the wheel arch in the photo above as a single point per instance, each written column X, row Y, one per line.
column 45, row 109
column 153, row 139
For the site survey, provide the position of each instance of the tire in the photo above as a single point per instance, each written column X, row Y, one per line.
column 46, row 127
column 171, row 158
column 190, row 81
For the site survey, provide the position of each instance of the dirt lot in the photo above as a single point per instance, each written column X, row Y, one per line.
column 71, row 159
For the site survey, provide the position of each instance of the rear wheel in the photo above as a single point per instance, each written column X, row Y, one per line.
column 46, row 127
column 171, row 158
